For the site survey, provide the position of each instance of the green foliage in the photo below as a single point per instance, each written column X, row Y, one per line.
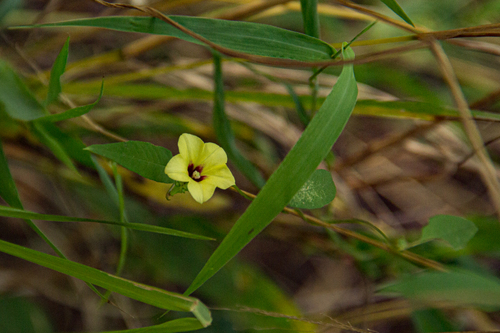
column 15, row 97
column 247, row 37
column 176, row 325
column 73, row 113
column 318, row 191
column 19, row 315
column 395, row 90
column 310, row 17
column 431, row 320
column 396, row 8
column 296, row 168
column 8, row 190
column 455, row 230
column 458, row 286
column 20, row 213
column 143, row 158
column 55, row 74
column 225, row 135
column 147, row 294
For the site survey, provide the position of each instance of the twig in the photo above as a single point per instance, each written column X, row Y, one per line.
column 415, row 258
column 487, row 169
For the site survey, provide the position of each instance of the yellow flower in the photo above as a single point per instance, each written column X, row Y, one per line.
column 201, row 165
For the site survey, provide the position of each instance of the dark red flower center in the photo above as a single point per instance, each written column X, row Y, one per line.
column 195, row 173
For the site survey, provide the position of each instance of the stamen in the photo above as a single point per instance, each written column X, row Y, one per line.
column 195, row 173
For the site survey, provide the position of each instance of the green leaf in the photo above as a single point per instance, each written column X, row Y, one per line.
column 176, row 325
column 24, row 214
column 455, row 230
column 8, row 190
column 224, row 132
column 55, row 74
column 73, row 113
column 17, row 100
column 140, row 157
column 310, row 17
column 396, row 8
column 247, row 37
column 64, row 146
column 312, row 147
column 431, row 320
column 19, row 315
column 318, row 191
column 43, row 131
column 460, row 287
column 138, row 291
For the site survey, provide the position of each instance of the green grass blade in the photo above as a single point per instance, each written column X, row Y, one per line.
column 310, row 17
column 138, row 291
column 396, row 8
column 312, row 147
column 17, row 99
column 42, row 131
column 8, row 190
column 24, row 214
column 224, row 132
column 55, row 74
column 173, row 326
column 73, row 113
column 140, row 157
column 247, row 37
column 459, row 287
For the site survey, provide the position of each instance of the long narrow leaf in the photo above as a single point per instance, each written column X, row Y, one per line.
column 247, row 37
column 173, row 326
column 224, row 132
column 24, row 214
column 55, row 74
column 73, row 113
column 310, row 17
column 396, row 8
column 8, row 190
column 313, row 146
column 42, row 130
column 390, row 109
column 138, row 291
column 17, row 99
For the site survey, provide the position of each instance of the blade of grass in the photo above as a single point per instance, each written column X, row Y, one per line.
column 42, row 130
column 247, row 37
column 17, row 99
column 396, row 8
column 55, row 74
column 390, row 109
column 173, row 326
column 8, row 191
column 138, row 291
column 310, row 17
column 24, row 214
column 73, row 113
column 315, row 143
column 123, row 219
column 309, row 9
column 224, row 132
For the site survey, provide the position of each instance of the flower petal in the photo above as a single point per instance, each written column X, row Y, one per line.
column 177, row 169
column 219, row 176
column 200, row 191
column 212, row 155
column 190, row 147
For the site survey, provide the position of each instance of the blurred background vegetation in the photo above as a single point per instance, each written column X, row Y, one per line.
column 393, row 166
